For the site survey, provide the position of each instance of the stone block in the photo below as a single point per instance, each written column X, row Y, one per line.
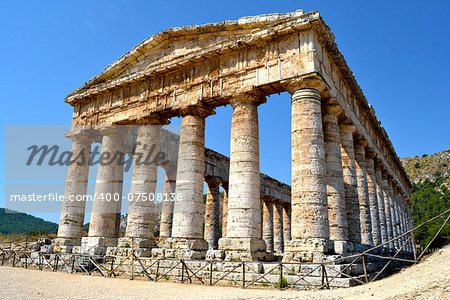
column 215, row 255
column 47, row 248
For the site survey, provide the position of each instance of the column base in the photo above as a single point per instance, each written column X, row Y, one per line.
column 128, row 242
column 244, row 249
column 181, row 248
column 124, row 252
column 316, row 250
column 95, row 245
column 65, row 245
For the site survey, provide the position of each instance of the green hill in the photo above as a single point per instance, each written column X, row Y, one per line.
column 430, row 194
column 16, row 222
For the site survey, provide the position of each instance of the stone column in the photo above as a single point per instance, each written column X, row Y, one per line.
column 372, row 187
column 212, row 233
column 380, row 199
column 278, row 240
column 350, row 182
column 395, row 214
column 143, row 213
column 409, row 223
column 310, row 226
column 402, row 227
column 268, row 225
column 287, row 224
column 188, row 214
column 387, row 208
column 106, row 208
column 165, row 228
column 71, row 222
column 225, row 209
column 337, row 212
column 363, row 192
column 243, row 236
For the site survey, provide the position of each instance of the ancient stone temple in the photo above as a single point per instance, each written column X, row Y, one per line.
column 349, row 190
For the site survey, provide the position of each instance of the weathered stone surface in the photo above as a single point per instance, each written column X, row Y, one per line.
column 142, row 215
column 268, row 225
column 350, row 182
column 72, row 211
column 381, row 205
column 165, row 229
column 309, row 197
column 337, row 212
column 387, row 208
column 212, row 229
column 336, row 195
column 278, row 239
column 244, row 210
column 105, row 217
column 372, row 188
column 363, row 192
column 188, row 213
column 286, row 223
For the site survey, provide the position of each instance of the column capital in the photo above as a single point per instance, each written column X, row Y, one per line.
column 360, row 141
column 379, row 164
column 83, row 135
column 202, row 110
column 306, row 82
column 370, row 153
column 347, row 128
column 306, row 94
column 253, row 98
column 153, row 119
column 119, row 130
column 333, row 108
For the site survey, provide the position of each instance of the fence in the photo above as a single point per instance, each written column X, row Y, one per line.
column 351, row 270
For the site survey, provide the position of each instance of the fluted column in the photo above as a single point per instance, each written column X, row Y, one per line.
column 387, row 208
column 310, row 227
column 363, row 192
column 380, row 199
column 410, row 224
column 244, row 207
column 337, row 212
column 225, row 209
column 278, row 239
column 268, row 225
column 189, row 208
column 71, row 221
column 165, row 228
column 287, row 224
column 105, row 217
column 403, row 227
column 350, row 182
column 395, row 213
column 142, row 215
column 212, row 228
column 372, row 188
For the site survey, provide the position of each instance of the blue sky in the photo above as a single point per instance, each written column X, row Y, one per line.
column 398, row 51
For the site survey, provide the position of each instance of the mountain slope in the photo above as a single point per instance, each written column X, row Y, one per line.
column 16, row 222
column 432, row 166
column 430, row 194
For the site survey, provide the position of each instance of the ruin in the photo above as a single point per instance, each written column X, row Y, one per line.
column 349, row 191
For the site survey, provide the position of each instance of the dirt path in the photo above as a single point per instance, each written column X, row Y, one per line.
column 428, row 280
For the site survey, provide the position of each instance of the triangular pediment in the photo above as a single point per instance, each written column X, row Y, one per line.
column 172, row 47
